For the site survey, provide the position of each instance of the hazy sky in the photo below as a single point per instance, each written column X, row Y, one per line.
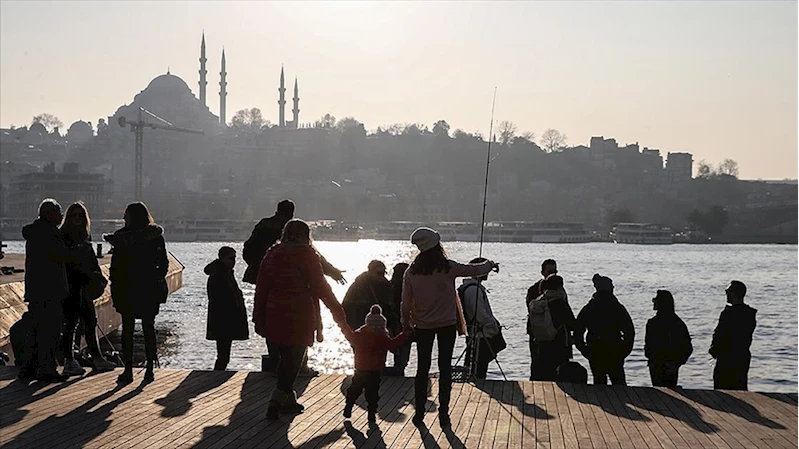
column 714, row 79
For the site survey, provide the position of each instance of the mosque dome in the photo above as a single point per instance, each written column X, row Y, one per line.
column 80, row 132
column 38, row 128
column 169, row 82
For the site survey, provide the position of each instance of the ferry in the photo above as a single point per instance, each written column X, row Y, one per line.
column 200, row 230
column 642, row 234
column 335, row 231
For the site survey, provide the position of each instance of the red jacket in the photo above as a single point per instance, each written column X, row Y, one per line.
column 290, row 285
column 370, row 346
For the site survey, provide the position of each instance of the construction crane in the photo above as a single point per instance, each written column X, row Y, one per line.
column 137, row 128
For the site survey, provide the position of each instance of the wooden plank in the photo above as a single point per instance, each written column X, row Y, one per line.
column 765, row 411
column 463, row 425
column 501, row 440
column 564, row 416
column 626, row 415
column 529, row 421
column 401, row 418
column 576, row 422
column 608, row 433
column 542, row 430
column 480, row 415
column 676, row 430
column 641, row 419
column 587, row 412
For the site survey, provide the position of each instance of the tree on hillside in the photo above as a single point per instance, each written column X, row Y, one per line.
column 712, row 221
column 704, row 170
column 347, row 123
column 49, row 121
column 552, row 140
column 248, row 120
column 728, row 167
column 326, row 121
column 441, row 128
column 507, row 131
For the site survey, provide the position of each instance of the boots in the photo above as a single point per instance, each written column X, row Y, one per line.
column 127, row 375
column 149, row 376
column 280, row 402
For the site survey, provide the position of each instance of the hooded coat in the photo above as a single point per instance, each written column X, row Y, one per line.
column 46, row 255
column 227, row 315
column 364, row 292
column 610, row 329
column 139, row 265
column 290, row 285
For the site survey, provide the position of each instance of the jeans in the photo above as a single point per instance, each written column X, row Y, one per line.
column 604, row 368
column 288, row 366
column 148, row 326
column 88, row 316
column 42, row 342
column 368, row 380
column 222, row 354
column 424, row 348
column 663, row 374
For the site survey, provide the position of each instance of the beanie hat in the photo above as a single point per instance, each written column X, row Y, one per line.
column 602, row 283
column 375, row 319
column 425, row 238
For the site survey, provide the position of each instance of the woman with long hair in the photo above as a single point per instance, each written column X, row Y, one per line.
column 139, row 265
column 78, row 306
column 667, row 342
column 430, row 307
column 290, row 285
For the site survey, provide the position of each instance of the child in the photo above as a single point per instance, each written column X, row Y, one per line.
column 227, row 316
column 370, row 344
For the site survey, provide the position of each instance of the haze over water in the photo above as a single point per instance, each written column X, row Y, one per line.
column 696, row 274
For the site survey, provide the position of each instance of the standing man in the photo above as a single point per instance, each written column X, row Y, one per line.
column 484, row 328
column 46, row 286
column 265, row 234
column 548, row 267
column 732, row 339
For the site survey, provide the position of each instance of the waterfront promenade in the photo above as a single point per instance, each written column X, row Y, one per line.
column 206, row 409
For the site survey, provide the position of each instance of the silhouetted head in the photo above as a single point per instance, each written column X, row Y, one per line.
column 285, row 208
column 398, row 272
column 663, row 302
column 76, row 224
column 548, row 267
column 377, row 270
column 50, row 211
column 602, row 283
column 552, row 282
column 480, row 260
column 228, row 256
column 296, row 232
column 736, row 292
column 137, row 216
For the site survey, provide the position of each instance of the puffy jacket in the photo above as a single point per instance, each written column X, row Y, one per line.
column 139, row 265
column 46, row 255
column 610, row 329
column 290, row 285
column 667, row 340
column 227, row 315
column 370, row 346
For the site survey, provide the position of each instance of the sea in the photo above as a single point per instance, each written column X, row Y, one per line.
column 697, row 276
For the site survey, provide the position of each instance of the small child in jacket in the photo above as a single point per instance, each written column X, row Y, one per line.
column 370, row 343
column 227, row 315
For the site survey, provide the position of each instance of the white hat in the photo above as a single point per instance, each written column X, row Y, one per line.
column 425, row 238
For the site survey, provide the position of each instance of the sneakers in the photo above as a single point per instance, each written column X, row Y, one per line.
column 102, row 365
column 73, row 368
column 348, row 411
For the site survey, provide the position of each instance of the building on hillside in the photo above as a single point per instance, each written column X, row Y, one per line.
column 679, row 170
column 67, row 186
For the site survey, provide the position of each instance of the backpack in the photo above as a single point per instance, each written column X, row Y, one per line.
column 540, row 317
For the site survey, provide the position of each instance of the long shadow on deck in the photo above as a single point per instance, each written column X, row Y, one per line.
column 178, row 401
column 21, row 393
column 248, row 425
column 788, row 398
column 614, row 400
column 385, row 415
column 525, row 407
column 725, row 402
column 53, row 430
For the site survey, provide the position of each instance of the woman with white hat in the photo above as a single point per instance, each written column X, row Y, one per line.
column 431, row 309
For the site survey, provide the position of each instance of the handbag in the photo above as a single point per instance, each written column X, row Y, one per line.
column 95, row 286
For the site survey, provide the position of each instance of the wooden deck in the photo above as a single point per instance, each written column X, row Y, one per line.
column 206, row 409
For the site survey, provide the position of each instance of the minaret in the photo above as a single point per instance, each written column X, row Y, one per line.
column 296, row 110
column 282, row 102
column 202, row 73
column 222, row 90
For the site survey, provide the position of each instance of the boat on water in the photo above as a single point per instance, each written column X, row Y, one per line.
column 12, row 294
column 642, row 234
column 494, row 231
column 202, row 230
column 335, row 231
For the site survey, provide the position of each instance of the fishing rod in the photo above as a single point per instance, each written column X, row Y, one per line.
column 488, row 163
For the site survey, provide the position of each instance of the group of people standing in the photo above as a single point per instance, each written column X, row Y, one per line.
column 63, row 278
column 604, row 334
